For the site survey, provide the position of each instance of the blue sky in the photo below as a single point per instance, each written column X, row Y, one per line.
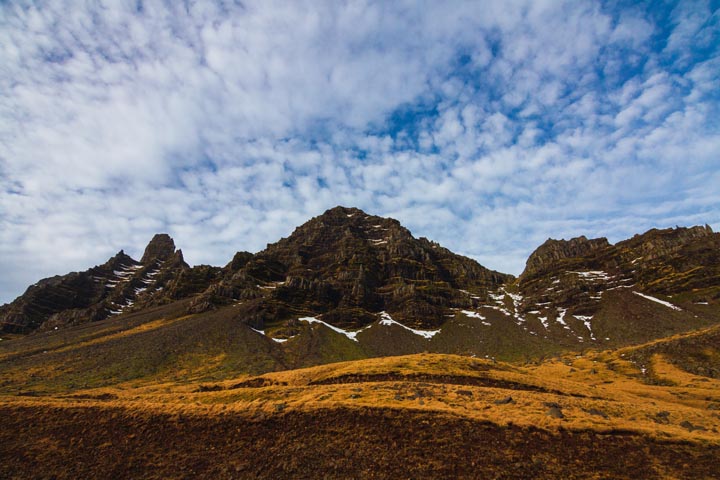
column 486, row 126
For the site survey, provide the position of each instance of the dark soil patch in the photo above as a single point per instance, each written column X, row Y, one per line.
column 101, row 396
column 258, row 382
column 96, row 442
column 442, row 379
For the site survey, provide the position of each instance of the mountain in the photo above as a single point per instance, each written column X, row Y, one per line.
column 344, row 264
column 351, row 285
column 119, row 285
column 649, row 286
column 347, row 266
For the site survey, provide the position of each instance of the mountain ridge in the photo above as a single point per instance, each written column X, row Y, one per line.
column 349, row 271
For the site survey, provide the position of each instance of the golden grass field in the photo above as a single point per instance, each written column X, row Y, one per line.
column 625, row 413
column 600, row 395
column 582, row 386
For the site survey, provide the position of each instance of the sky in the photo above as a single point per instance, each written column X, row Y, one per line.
column 487, row 126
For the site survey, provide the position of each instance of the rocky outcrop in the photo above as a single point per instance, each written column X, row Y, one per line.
column 573, row 275
column 119, row 285
column 160, row 248
column 551, row 254
column 658, row 243
column 75, row 291
column 348, row 265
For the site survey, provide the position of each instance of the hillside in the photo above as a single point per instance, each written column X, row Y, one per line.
column 120, row 285
column 424, row 416
column 351, row 349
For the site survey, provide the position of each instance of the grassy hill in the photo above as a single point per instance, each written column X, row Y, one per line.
column 612, row 414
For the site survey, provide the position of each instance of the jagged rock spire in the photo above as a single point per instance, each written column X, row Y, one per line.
column 161, row 247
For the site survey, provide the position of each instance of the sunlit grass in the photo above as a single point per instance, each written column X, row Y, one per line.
column 600, row 392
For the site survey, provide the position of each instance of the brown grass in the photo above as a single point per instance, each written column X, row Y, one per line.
column 446, row 384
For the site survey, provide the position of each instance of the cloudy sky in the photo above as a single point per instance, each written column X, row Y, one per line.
column 486, row 126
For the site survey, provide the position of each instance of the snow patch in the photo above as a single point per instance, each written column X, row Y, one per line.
column 262, row 332
column 586, row 321
column 470, row 294
column 386, row 319
column 561, row 318
column 515, row 298
column 351, row 335
column 504, row 311
column 593, row 274
column 478, row 316
column 657, row 300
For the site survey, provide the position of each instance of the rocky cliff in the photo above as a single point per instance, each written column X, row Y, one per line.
column 348, row 266
column 120, row 285
column 573, row 274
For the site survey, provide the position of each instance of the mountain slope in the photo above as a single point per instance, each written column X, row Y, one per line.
column 347, row 266
column 348, row 285
column 119, row 285
column 418, row 416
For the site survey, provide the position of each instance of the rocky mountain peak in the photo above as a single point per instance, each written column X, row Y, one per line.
column 348, row 266
column 338, row 233
column 658, row 242
column 161, row 247
column 343, row 221
column 552, row 251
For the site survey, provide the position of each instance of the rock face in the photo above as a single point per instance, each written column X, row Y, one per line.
column 573, row 275
column 119, row 285
column 551, row 253
column 695, row 244
column 161, row 247
column 55, row 295
column 347, row 266
column 351, row 270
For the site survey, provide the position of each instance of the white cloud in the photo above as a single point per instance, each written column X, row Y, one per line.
column 227, row 125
